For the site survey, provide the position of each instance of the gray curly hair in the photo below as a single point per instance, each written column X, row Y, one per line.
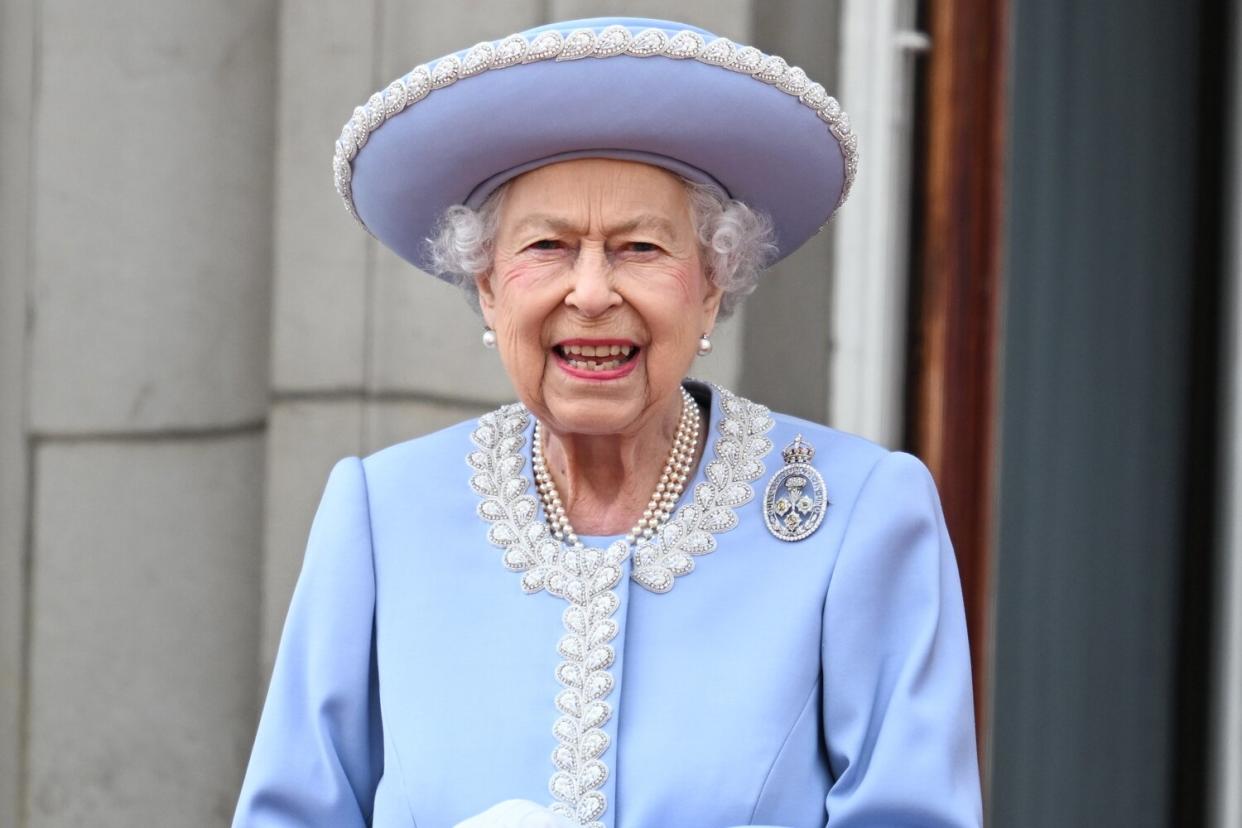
column 735, row 242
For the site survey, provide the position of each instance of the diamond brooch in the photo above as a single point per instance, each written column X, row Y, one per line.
column 795, row 500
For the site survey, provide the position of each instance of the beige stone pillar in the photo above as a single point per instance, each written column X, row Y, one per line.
column 144, row 375
column 17, row 55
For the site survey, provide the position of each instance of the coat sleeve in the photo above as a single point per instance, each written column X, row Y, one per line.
column 318, row 756
column 898, row 711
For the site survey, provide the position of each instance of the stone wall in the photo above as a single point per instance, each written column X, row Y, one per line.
column 137, row 196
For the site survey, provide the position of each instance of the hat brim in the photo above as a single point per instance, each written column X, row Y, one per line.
column 761, row 141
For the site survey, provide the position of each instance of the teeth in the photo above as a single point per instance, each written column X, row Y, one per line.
column 598, row 350
column 584, row 365
column 620, row 354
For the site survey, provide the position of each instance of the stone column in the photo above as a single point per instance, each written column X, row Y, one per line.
column 17, row 56
column 366, row 351
column 145, row 375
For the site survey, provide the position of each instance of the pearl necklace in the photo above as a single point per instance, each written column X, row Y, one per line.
column 672, row 480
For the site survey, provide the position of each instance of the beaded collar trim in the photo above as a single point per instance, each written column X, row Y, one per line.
column 586, row 577
column 583, row 43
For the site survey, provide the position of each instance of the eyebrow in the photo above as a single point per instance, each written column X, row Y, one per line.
column 648, row 221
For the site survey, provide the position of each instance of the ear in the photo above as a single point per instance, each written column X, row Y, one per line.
column 487, row 296
column 711, row 306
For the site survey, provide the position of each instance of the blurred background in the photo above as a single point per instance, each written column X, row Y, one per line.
column 1034, row 287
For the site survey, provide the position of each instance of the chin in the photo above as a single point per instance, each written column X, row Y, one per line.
column 599, row 415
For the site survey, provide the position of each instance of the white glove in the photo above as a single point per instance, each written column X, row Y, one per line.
column 516, row 813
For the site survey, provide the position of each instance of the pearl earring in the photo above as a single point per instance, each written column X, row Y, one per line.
column 705, row 345
column 489, row 338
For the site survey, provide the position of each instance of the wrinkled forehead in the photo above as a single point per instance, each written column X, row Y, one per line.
column 597, row 192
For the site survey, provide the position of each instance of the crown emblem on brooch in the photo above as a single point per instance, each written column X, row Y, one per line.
column 795, row 500
column 799, row 451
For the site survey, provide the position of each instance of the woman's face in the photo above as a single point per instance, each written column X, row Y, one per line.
column 597, row 293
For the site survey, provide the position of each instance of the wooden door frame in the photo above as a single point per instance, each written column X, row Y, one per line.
column 958, row 244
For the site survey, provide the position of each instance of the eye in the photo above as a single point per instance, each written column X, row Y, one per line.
column 641, row 248
column 545, row 244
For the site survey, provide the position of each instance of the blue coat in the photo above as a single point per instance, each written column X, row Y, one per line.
column 443, row 654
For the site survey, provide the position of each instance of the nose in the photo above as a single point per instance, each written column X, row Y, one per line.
column 592, row 292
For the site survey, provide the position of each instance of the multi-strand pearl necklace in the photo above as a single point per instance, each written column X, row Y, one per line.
column 672, row 480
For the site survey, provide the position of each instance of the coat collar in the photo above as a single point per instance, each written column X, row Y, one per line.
column 516, row 525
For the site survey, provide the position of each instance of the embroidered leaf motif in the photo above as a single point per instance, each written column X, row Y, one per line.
column 563, row 758
column 569, row 702
column 719, row 52
column 600, row 658
column 545, row 45
column 598, row 685
column 510, row 465
column 569, row 674
column 513, row 488
column 685, row 44
column 699, row 543
column 482, row 484
column 590, row 806
column 604, row 605
column 446, row 71
column 501, row 534
column 680, row 564
column 478, row 59
column 575, row 619
column 509, row 51
column 579, row 44
column 563, row 786
column 734, row 494
column 596, row 742
column 718, row 472
column 602, row 633
column 417, row 84
column 532, row 581
column 612, row 41
column 524, row 509
column 595, row 714
column 654, row 578
column 594, row 774
column 720, row 520
column 566, row 729
column 648, row 42
column 571, row 647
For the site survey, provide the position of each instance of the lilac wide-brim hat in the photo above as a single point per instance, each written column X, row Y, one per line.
column 453, row 130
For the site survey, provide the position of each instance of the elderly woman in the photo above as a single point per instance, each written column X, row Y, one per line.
column 617, row 602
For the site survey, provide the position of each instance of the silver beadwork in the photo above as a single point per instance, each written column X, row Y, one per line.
column 585, row 43
column 587, row 577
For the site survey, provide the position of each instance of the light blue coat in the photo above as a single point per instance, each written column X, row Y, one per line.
column 437, row 638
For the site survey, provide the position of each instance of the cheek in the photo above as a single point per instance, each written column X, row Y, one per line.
column 685, row 289
column 524, row 304
column 673, row 309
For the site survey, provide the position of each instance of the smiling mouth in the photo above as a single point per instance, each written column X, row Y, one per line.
column 603, row 357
